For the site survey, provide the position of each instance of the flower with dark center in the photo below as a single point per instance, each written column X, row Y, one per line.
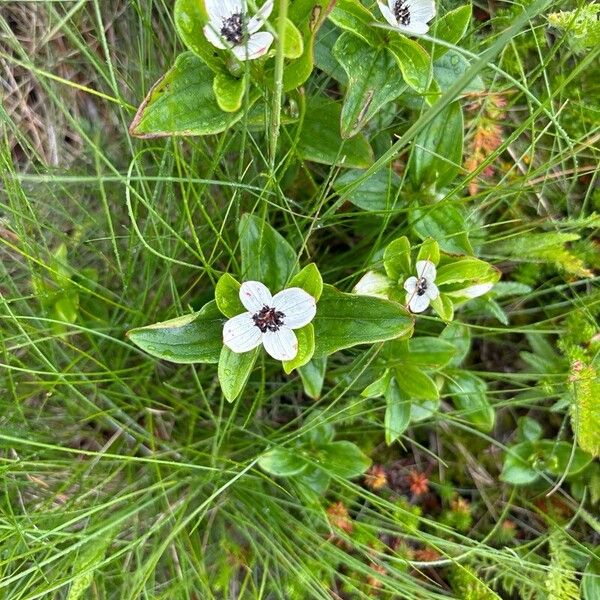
column 408, row 16
column 402, row 12
column 270, row 320
column 233, row 28
column 421, row 290
column 230, row 27
column 421, row 286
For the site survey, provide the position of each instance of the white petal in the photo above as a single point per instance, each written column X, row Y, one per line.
column 415, row 28
column 417, row 303
column 212, row 35
column 282, row 344
column 388, row 14
column 421, row 11
column 254, row 295
column 257, row 21
column 477, row 290
column 372, row 284
column 432, row 290
column 218, row 10
column 257, row 46
column 410, row 285
column 240, row 334
column 425, row 268
column 298, row 306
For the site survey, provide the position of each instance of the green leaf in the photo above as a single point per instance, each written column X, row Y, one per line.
column 87, row 562
column 319, row 431
column 590, row 582
column 429, row 250
column 397, row 413
column 372, row 81
column 324, row 59
column 443, row 307
column 190, row 17
column 182, row 102
column 420, row 410
column 307, row 16
column 282, row 462
column 516, row 469
column 429, row 352
column 66, row 306
column 450, row 28
column 343, row 459
column 229, row 91
column 470, row 399
column 234, row 370
column 194, row 338
column 266, row 255
column 470, row 269
column 293, row 46
column 413, row 60
column 452, row 66
column 227, row 296
column 378, row 387
column 437, row 154
column 443, row 222
column 396, row 258
column 529, row 430
column 564, row 458
column 306, row 348
column 376, row 193
column 346, row 320
column 320, row 140
column 415, row 383
column 310, row 280
column 352, row 16
column 313, row 376
column 460, row 337
column 316, row 479
column 524, row 462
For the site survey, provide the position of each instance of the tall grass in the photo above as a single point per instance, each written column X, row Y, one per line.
column 126, row 477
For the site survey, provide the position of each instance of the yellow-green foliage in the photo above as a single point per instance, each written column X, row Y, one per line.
column 467, row 586
column 581, row 26
column 585, row 408
column 561, row 583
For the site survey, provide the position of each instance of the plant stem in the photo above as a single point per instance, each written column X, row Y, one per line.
column 278, row 87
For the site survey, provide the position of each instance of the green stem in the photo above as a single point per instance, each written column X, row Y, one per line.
column 278, row 87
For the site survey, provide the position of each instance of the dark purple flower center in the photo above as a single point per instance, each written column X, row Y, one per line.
column 268, row 319
column 421, row 286
column 233, row 29
column 402, row 14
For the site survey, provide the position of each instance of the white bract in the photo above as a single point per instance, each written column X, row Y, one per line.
column 270, row 320
column 230, row 28
column 373, row 284
column 408, row 16
column 421, row 290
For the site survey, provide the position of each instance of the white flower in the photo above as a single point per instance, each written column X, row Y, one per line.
column 408, row 16
column 269, row 320
column 229, row 27
column 372, row 284
column 421, row 290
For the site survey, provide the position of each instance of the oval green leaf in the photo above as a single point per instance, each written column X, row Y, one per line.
column 346, row 320
column 195, row 338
